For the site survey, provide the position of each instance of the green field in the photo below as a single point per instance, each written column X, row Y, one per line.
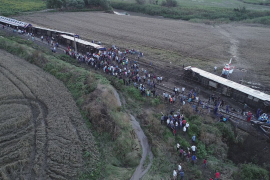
column 11, row 7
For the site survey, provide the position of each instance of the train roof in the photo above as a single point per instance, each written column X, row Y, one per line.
column 14, row 22
column 247, row 90
column 96, row 46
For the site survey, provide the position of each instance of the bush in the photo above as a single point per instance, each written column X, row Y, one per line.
column 135, row 93
column 252, row 172
column 140, row 1
column 227, row 132
column 201, row 151
column 169, row 3
column 183, row 142
column 56, row 3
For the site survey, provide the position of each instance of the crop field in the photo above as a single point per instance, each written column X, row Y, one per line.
column 42, row 132
column 178, row 42
column 9, row 7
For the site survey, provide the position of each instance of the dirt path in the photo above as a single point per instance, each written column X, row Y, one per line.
column 140, row 171
column 233, row 50
column 146, row 150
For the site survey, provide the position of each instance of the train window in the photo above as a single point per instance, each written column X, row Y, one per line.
column 250, row 97
column 256, row 99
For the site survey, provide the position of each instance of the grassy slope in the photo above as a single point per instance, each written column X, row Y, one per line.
column 212, row 138
column 11, row 7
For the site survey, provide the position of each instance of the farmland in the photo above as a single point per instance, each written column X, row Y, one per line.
column 179, row 42
column 42, row 131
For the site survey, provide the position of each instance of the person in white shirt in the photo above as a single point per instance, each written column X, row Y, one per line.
column 187, row 125
column 183, row 90
column 184, row 129
column 168, row 122
column 193, row 148
column 174, row 175
column 179, row 167
column 178, row 146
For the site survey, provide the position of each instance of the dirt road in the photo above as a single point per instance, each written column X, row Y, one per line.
column 42, row 135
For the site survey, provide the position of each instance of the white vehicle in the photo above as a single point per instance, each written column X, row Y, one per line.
column 227, row 70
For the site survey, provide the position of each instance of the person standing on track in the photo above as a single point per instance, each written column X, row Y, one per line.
column 227, row 108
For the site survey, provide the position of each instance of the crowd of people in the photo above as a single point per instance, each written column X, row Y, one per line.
column 117, row 63
column 177, row 123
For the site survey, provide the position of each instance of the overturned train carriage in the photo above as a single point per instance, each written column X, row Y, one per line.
column 239, row 92
column 14, row 23
column 82, row 45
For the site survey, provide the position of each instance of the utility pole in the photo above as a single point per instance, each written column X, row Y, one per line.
column 75, row 43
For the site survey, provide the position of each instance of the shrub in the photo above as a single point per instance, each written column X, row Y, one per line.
column 135, row 93
column 227, row 132
column 201, row 151
column 55, row 3
column 169, row 3
column 140, row 1
column 252, row 172
column 183, row 142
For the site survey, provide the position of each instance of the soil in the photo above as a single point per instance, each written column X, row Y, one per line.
column 253, row 150
column 186, row 43
column 42, row 132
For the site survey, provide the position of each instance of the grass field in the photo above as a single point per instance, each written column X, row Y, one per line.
column 11, row 7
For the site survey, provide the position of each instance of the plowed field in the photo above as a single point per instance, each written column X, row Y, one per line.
column 165, row 40
column 42, row 134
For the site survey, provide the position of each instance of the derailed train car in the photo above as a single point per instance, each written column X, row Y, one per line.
column 82, row 45
column 239, row 92
column 14, row 23
column 64, row 38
